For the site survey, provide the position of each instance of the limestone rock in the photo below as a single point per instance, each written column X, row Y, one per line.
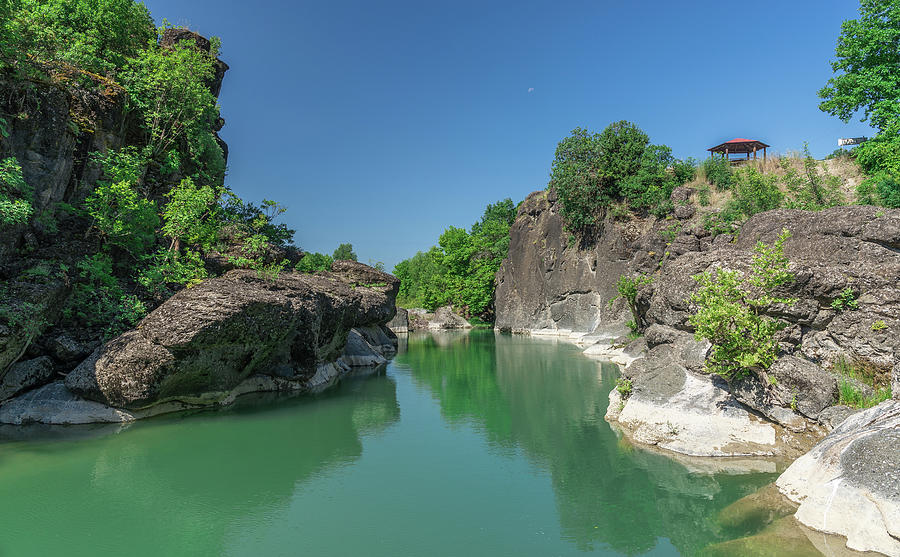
column 442, row 318
column 26, row 375
column 849, row 484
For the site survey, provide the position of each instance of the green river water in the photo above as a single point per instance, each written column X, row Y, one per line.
column 467, row 444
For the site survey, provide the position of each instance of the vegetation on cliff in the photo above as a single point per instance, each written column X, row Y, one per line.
column 460, row 271
column 158, row 217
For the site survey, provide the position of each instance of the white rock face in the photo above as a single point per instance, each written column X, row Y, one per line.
column 54, row 404
column 849, row 484
column 700, row 419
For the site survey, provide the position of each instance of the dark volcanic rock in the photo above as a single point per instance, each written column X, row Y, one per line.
column 205, row 340
column 400, row 322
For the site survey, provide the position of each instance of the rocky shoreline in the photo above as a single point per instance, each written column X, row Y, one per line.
column 549, row 287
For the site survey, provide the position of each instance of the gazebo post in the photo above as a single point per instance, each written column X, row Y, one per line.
column 764, row 154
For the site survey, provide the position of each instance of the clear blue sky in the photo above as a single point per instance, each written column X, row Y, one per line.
column 382, row 123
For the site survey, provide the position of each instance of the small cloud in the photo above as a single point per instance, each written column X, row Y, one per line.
column 531, row 89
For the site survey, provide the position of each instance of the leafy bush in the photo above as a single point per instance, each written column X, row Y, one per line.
column 753, row 193
column 814, row 189
column 191, row 215
column 166, row 268
column 846, row 300
column 122, row 217
column 313, row 262
column 856, row 373
column 627, row 289
column 98, row 299
column 260, row 219
column 591, row 171
column 718, row 172
column 731, row 308
column 15, row 194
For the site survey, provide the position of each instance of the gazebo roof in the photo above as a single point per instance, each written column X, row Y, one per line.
column 738, row 145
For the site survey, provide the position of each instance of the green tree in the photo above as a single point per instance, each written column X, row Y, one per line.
column 169, row 89
column 731, row 309
column 122, row 217
column 868, row 60
column 345, row 252
column 313, row 262
column 190, row 215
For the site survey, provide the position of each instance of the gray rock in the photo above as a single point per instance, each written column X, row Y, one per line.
column 54, row 404
column 849, row 484
column 204, row 341
column 68, row 350
column 895, row 381
column 684, row 212
column 23, row 376
column 359, row 353
column 442, row 318
column 803, row 385
column 400, row 321
column 833, row 416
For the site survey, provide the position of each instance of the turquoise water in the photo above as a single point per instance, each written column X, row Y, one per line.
column 465, row 445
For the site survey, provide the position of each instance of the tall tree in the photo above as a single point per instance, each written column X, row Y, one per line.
column 344, row 251
column 868, row 59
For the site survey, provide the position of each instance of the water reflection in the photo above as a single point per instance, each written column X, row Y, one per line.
column 550, row 401
column 243, row 461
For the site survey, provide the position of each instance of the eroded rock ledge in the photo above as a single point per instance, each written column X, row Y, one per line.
column 227, row 336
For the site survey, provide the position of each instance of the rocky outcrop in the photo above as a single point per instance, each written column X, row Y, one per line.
column 442, row 318
column 400, row 322
column 204, row 341
column 548, row 281
column 24, row 376
column 831, row 251
column 849, row 484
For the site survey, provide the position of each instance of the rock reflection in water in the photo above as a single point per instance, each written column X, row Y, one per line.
column 550, row 401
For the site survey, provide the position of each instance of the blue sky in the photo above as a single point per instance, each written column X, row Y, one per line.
column 382, row 123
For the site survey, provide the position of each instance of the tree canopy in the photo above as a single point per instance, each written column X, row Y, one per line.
column 868, row 59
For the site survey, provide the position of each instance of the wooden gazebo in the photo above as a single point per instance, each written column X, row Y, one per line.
column 740, row 146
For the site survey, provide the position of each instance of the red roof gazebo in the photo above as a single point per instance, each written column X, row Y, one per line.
column 740, row 145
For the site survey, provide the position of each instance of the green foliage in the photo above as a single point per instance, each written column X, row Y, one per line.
column 15, row 194
column 627, row 289
column 190, row 215
column 122, row 217
column 879, row 325
column 121, row 165
column 852, row 376
column 753, row 192
column 718, row 172
column 313, row 262
column 98, row 299
column 846, row 300
column 624, row 387
column 260, row 219
column 731, row 308
column 461, row 270
column 344, row 252
column 168, row 88
column 591, row 171
column 165, row 268
column 94, row 35
column 814, row 189
column 868, row 66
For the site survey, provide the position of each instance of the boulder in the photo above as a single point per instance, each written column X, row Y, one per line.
column 67, row 350
column 849, row 483
column 686, row 413
column 204, row 341
column 26, row 375
column 442, row 318
column 400, row 322
column 359, row 353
